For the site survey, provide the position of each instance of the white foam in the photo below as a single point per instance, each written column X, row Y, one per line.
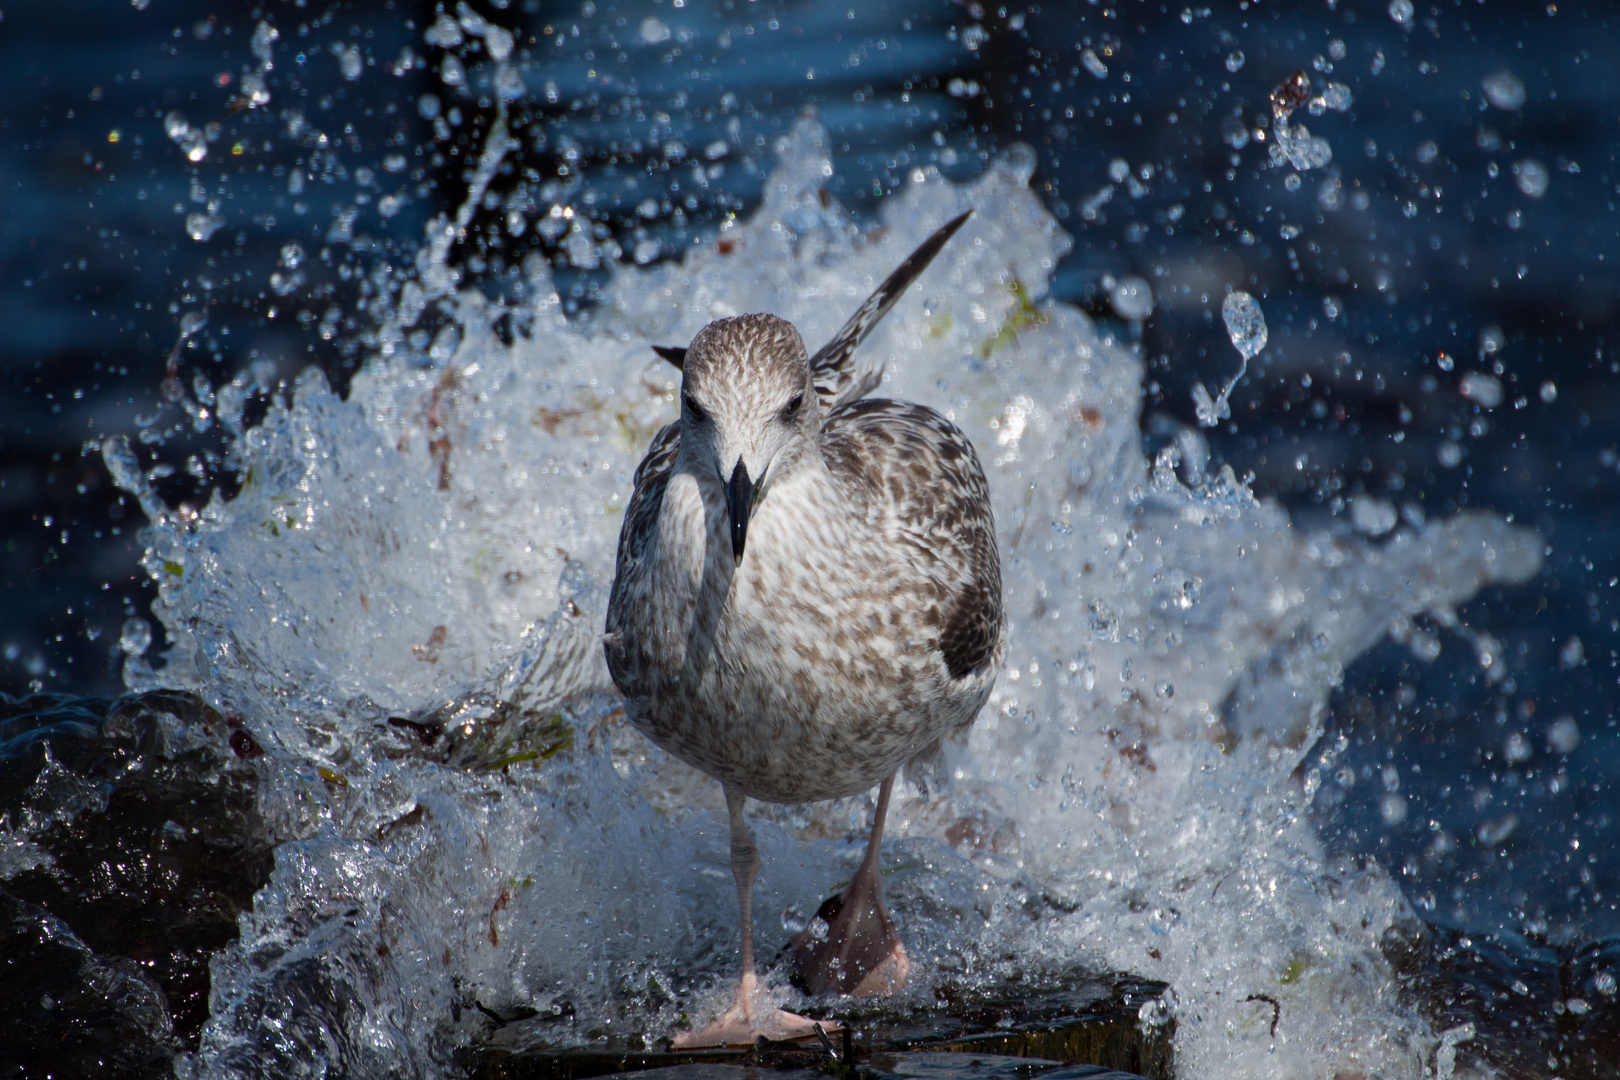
column 1126, row 800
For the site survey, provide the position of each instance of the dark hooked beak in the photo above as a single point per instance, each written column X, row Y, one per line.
column 740, row 504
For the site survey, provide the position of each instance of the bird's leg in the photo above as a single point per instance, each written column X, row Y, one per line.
column 861, row 953
column 750, row 1015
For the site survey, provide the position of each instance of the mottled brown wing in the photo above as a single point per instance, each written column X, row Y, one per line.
column 917, row 478
column 837, row 382
column 641, row 514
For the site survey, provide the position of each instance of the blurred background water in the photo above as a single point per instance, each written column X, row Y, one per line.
column 1441, row 295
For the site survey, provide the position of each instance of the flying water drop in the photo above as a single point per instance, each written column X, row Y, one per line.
column 1246, row 325
column 1504, row 89
column 136, row 636
column 1531, row 176
column 1132, row 298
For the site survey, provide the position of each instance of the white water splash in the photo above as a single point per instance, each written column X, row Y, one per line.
column 404, row 605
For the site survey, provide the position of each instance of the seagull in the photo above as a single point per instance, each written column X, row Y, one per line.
column 807, row 596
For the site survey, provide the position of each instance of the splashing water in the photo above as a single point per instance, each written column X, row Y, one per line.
column 1246, row 326
column 403, row 605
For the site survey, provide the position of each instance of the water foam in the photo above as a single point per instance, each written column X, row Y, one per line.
column 403, row 606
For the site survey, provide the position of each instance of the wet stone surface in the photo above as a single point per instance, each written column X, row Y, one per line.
column 1547, row 1009
column 1092, row 1027
column 884, row 1066
column 131, row 846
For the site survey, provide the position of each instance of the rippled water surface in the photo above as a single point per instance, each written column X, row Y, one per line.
column 1286, row 338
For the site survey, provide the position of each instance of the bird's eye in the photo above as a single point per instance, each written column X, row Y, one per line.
column 693, row 409
column 792, row 408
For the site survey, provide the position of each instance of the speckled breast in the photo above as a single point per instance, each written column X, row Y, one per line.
column 811, row 676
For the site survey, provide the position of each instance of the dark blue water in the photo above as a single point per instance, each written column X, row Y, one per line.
column 1450, row 234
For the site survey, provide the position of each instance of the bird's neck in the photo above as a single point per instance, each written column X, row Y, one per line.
column 800, row 503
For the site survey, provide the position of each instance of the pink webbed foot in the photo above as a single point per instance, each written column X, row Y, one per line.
column 750, row 1017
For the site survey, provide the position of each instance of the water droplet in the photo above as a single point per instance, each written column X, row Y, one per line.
column 264, row 36
column 1517, row 748
column 1504, row 89
column 201, row 225
column 1392, row 807
column 1307, row 151
column 1531, row 176
column 136, row 636
column 1497, row 830
column 1210, row 411
column 1337, row 97
column 1235, row 133
column 1165, row 690
column 1401, row 11
column 654, row 31
column 1549, row 392
column 1093, row 64
column 1563, row 735
column 1482, row 389
column 1132, row 298
column 450, row 71
column 1245, row 323
column 1372, row 515
column 445, row 33
column 1234, row 60
column 646, row 251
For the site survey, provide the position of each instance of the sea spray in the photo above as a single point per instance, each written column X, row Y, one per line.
column 402, row 604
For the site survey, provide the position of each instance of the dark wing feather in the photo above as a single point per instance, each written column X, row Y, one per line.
column 834, row 375
column 641, row 514
column 914, row 473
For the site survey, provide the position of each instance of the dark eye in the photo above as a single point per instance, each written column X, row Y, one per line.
column 693, row 409
column 792, row 408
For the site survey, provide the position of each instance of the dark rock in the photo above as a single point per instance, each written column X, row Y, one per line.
column 147, row 847
column 1537, row 1008
column 1088, row 1021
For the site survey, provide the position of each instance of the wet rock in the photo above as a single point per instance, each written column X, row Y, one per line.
column 72, row 1012
column 959, row 1066
column 132, row 845
column 1522, row 1006
column 1090, row 1027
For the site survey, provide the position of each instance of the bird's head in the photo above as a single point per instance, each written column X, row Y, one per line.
column 748, row 409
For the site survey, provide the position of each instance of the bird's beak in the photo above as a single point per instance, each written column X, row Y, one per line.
column 740, row 505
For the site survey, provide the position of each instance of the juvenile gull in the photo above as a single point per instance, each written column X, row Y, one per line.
column 807, row 596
